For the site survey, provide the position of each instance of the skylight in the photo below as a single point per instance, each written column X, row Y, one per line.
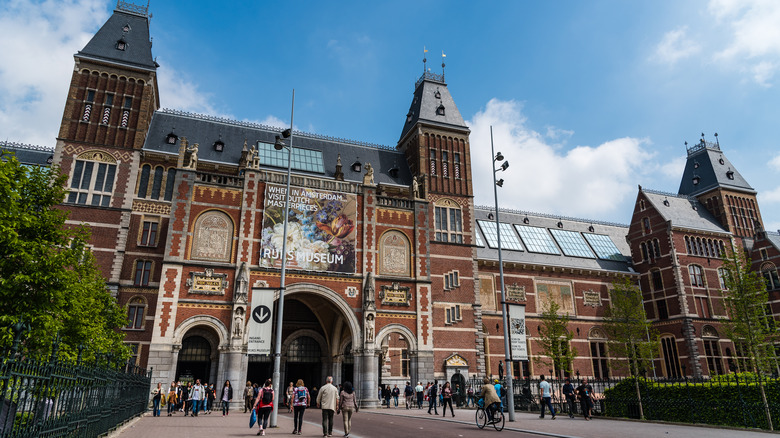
column 572, row 243
column 509, row 239
column 302, row 159
column 537, row 239
column 604, row 246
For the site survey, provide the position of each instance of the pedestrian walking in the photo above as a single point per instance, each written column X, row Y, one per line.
column 386, row 394
column 197, row 396
column 157, row 394
column 289, row 396
column 419, row 391
column 264, row 404
column 347, row 405
column 446, row 398
column 249, row 394
column 432, row 395
column 301, row 400
column 568, row 392
column 226, row 397
column 470, row 394
column 327, row 400
column 408, row 394
column 546, row 395
column 585, row 393
column 396, row 394
column 210, row 396
column 185, row 394
column 173, row 399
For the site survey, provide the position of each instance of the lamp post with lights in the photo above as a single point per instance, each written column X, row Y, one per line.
column 510, row 398
column 279, row 145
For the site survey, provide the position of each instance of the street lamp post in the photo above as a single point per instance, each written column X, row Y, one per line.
column 279, row 145
column 510, row 398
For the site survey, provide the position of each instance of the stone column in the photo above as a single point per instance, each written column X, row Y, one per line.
column 231, row 362
column 369, row 380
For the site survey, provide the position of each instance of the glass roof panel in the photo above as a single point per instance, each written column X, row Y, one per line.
column 307, row 160
column 604, row 246
column 509, row 239
column 537, row 239
column 572, row 243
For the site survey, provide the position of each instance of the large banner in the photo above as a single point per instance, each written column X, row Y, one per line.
column 517, row 332
column 261, row 318
column 320, row 231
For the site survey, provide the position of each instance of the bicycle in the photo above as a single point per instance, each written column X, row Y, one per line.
column 481, row 417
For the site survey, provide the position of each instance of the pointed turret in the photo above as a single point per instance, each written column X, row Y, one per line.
column 432, row 104
column 710, row 177
column 123, row 39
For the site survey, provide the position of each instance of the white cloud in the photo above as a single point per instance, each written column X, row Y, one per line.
column 675, row 45
column 38, row 41
column 771, row 196
column 582, row 181
column 774, row 163
column 674, row 168
column 754, row 35
column 179, row 93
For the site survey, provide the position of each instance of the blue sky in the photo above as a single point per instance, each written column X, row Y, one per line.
column 588, row 99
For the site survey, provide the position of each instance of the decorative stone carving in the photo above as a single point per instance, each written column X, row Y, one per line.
column 591, row 298
column 596, row 333
column 351, row 292
column 395, row 295
column 456, row 360
column 191, row 157
column 207, row 283
column 99, row 156
column 238, row 322
column 709, row 332
column 212, row 237
column 394, row 254
column 369, row 300
column 368, row 178
column 515, row 292
column 415, row 188
column 241, row 293
column 370, row 327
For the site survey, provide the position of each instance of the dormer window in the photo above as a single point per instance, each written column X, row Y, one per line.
column 440, row 110
column 126, row 28
column 730, row 174
column 721, row 160
column 695, row 164
column 696, row 180
column 121, row 44
column 437, row 94
column 409, row 116
column 171, row 138
column 219, row 146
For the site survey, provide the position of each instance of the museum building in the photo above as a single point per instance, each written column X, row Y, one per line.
column 392, row 270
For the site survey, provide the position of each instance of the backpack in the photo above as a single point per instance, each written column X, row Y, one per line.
column 300, row 395
column 503, row 391
column 268, row 396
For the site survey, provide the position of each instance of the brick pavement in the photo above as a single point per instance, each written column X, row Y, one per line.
column 237, row 424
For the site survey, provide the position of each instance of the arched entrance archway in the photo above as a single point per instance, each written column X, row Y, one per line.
column 348, row 364
column 194, row 359
column 304, row 361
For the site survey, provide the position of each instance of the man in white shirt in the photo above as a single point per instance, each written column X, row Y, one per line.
column 197, row 397
column 328, row 400
column 419, row 391
column 545, row 395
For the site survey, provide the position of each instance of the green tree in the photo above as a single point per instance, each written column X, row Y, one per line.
column 554, row 339
column 633, row 342
column 749, row 326
column 48, row 275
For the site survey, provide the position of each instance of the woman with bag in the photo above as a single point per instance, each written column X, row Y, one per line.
column 347, row 405
column 172, row 399
column 157, row 394
column 301, row 399
column 264, row 404
column 446, row 398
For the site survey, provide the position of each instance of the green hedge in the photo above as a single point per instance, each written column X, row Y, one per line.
column 733, row 400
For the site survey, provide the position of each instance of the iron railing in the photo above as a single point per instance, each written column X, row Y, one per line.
column 55, row 398
column 683, row 400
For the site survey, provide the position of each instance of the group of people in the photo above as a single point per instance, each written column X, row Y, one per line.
column 329, row 399
column 584, row 393
column 191, row 398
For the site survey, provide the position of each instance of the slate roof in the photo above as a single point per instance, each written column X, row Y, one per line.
column 684, row 211
column 206, row 130
column 430, row 94
column 138, row 51
column 616, row 232
column 29, row 154
column 708, row 163
column 774, row 238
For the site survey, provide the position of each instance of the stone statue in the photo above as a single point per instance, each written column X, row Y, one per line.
column 254, row 158
column 368, row 178
column 415, row 188
column 191, row 157
column 370, row 327
column 238, row 323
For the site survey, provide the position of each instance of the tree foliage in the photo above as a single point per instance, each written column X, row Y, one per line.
column 555, row 338
column 48, row 276
column 630, row 335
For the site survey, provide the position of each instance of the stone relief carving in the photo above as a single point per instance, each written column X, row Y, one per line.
column 394, row 251
column 591, row 298
column 369, row 300
column 515, row 292
column 207, row 283
column 242, row 285
column 213, row 237
column 395, row 295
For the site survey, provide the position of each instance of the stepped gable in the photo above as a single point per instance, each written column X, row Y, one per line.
column 616, row 232
column 128, row 24
column 432, row 104
column 206, row 130
column 708, row 168
column 684, row 211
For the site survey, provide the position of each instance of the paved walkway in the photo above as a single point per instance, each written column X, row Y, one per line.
column 402, row 422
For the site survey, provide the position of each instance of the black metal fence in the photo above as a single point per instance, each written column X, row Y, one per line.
column 729, row 400
column 54, row 398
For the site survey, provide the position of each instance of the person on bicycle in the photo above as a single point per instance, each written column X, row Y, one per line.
column 491, row 400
